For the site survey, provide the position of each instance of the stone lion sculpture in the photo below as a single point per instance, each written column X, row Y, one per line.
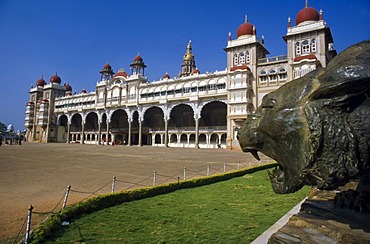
column 317, row 127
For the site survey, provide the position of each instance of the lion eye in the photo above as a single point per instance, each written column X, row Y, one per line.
column 270, row 103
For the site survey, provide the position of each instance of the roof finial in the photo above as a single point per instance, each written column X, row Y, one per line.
column 289, row 24
column 189, row 46
column 246, row 18
column 306, row 3
column 229, row 37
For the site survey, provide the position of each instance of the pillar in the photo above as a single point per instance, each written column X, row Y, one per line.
column 107, row 137
column 68, row 131
column 196, row 133
column 129, row 133
column 99, row 133
column 140, row 139
column 165, row 132
column 83, row 133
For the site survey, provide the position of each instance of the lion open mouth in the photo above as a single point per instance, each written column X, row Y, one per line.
column 277, row 175
column 280, row 178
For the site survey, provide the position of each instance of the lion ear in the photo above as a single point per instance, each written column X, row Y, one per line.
column 341, row 90
column 348, row 74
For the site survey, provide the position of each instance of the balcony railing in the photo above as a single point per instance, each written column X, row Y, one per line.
column 273, row 59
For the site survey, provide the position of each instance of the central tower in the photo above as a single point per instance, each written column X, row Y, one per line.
column 188, row 63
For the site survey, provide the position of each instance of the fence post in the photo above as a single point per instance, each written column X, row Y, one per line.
column 155, row 178
column 208, row 169
column 225, row 167
column 113, row 183
column 66, row 197
column 27, row 238
column 184, row 173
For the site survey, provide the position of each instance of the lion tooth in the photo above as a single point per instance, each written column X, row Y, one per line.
column 280, row 177
column 255, row 154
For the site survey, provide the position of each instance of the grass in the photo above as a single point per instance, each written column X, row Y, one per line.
column 233, row 211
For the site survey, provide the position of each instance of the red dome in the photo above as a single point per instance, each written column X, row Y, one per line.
column 121, row 73
column 246, row 29
column 83, row 91
column 41, row 82
column 68, row 87
column 55, row 79
column 166, row 76
column 307, row 14
column 107, row 66
column 138, row 58
column 196, row 71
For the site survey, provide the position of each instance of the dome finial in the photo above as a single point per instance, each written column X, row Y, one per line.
column 246, row 18
column 306, row 3
column 188, row 48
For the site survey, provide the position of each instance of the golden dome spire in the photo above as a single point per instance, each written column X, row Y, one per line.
column 188, row 55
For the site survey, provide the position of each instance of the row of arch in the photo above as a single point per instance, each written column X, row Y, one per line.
column 155, row 125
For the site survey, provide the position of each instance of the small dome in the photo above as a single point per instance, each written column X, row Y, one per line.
column 196, row 71
column 307, row 14
column 138, row 58
column 83, row 91
column 246, row 29
column 121, row 72
column 68, row 87
column 55, row 79
column 107, row 66
column 166, row 76
column 41, row 82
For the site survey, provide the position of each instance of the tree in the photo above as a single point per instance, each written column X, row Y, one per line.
column 2, row 128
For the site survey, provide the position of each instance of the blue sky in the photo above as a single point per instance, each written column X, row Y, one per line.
column 76, row 38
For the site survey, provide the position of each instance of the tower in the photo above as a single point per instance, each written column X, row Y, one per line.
column 40, row 119
column 309, row 42
column 106, row 72
column 242, row 60
column 138, row 65
column 188, row 62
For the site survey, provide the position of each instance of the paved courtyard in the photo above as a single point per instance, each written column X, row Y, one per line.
column 39, row 174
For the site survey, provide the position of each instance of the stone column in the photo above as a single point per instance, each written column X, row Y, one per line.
column 140, row 139
column 129, row 133
column 68, row 131
column 107, row 137
column 99, row 133
column 165, row 132
column 196, row 132
column 83, row 133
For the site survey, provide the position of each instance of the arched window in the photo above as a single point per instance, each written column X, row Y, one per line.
column 241, row 58
column 282, row 74
column 236, row 59
column 263, row 77
column 305, row 46
column 297, row 48
column 313, row 45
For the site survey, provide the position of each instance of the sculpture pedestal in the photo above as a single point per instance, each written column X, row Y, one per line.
column 319, row 221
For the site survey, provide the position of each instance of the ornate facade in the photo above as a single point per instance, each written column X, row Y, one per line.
column 190, row 110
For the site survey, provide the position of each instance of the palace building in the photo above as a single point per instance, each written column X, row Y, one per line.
column 193, row 109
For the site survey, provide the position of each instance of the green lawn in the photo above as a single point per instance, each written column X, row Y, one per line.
column 233, row 211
